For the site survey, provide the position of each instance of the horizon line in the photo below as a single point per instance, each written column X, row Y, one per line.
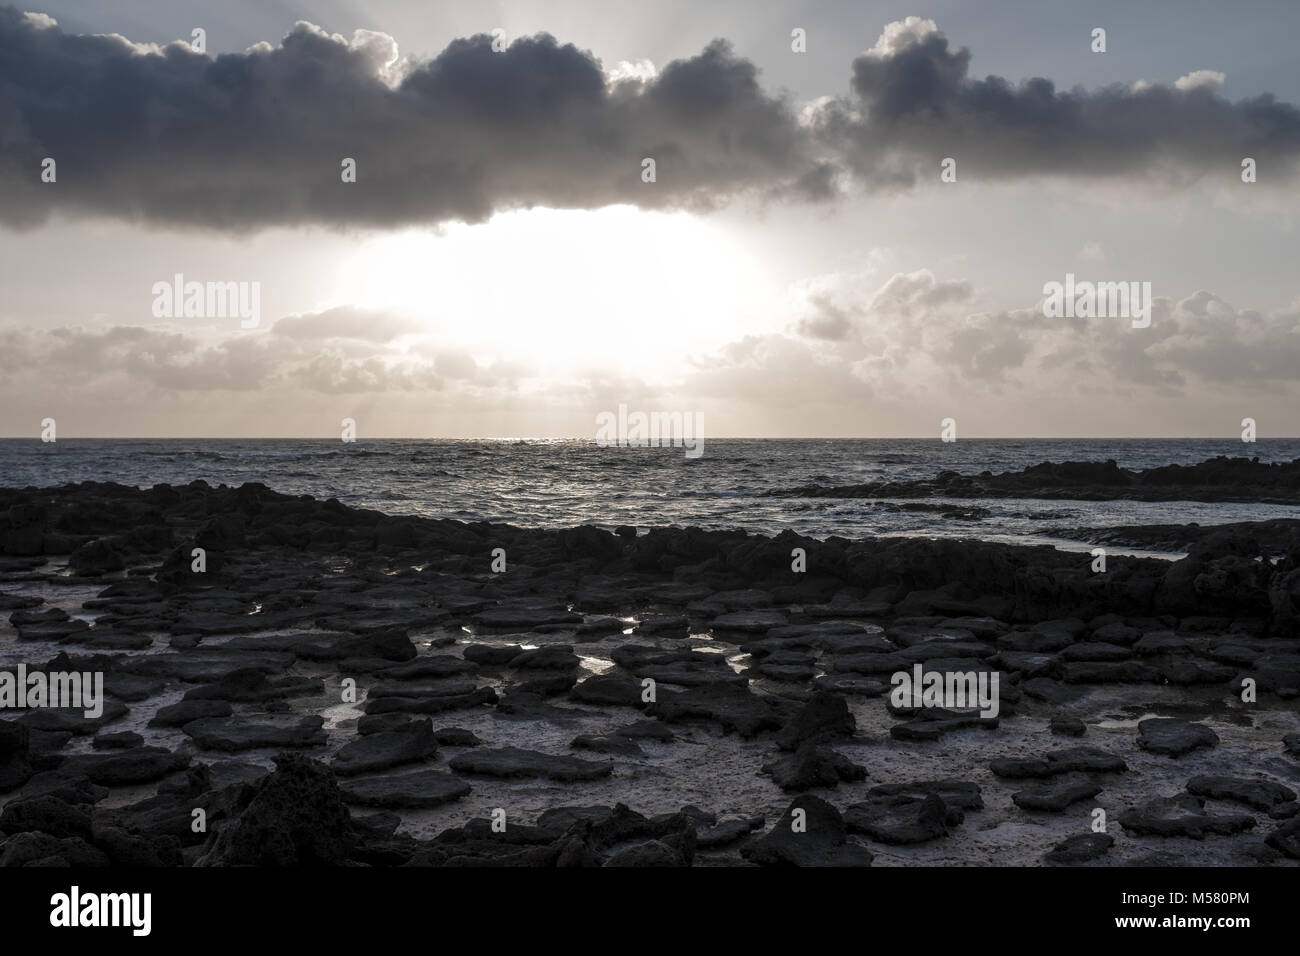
column 589, row 440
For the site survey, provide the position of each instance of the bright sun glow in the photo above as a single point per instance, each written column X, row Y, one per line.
column 612, row 288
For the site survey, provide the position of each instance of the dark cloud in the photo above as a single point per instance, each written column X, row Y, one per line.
column 249, row 140
column 254, row 139
column 915, row 104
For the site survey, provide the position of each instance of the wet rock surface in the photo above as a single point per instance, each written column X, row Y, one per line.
column 1165, row 735
column 1182, row 815
column 1218, row 479
column 650, row 699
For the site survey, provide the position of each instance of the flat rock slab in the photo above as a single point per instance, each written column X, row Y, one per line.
column 431, row 704
column 211, row 622
column 443, row 688
column 455, row 737
column 132, row 687
column 186, row 711
column 390, row 646
column 104, row 639
column 435, row 665
column 744, row 600
column 846, row 609
column 872, row 663
column 517, row 762
column 1026, row 663
column 633, row 657
column 813, row 766
column 650, row 853
column 609, row 690
column 856, row 643
column 901, row 819
column 491, row 655
column 141, row 765
column 726, row 832
column 734, row 707
column 1259, row 794
column 607, row 744
column 1051, row 691
column 1235, row 654
column 417, row 789
column 553, row 657
column 932, row 728
column 984, row 628
column 1160, row 642
column 52, row 630
column 1167, row 735
column 955, row 793
column 385, row 749
column 252, row 685
column 526, row 617
column 1068, row 726
column 850, row 686
column 1056, row 796
column 749, row 621
column 1080, row 848
column 1035, row 642
column 1080, row 759
column 790, row 666
column 378, row 723
column 235, row 734
column 1183, row 815
column 677, row 626
column 811, row 631
column 700, row 673
column 72, row 720
column 1197, row 672
column 912, row 635
column 12, row 602
column 204, row 666
column 1096, row 651
column 1108, row 672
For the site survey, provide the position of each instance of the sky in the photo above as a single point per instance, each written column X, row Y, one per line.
column 504, row 265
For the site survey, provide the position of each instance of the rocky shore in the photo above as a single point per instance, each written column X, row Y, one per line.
column 1217, row 479
column 318, row 684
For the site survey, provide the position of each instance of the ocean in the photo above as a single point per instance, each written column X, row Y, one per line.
column 562, row 483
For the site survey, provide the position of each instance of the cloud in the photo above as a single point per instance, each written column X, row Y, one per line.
column 906, row 349
column 342, row 350
column 72, row 356
column 916, row 329
column 1199, row 80
column 828, row 322
column 248, row 140
column 346, row 323
column 251, row 140
column 333, row 374
column 914, row 103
